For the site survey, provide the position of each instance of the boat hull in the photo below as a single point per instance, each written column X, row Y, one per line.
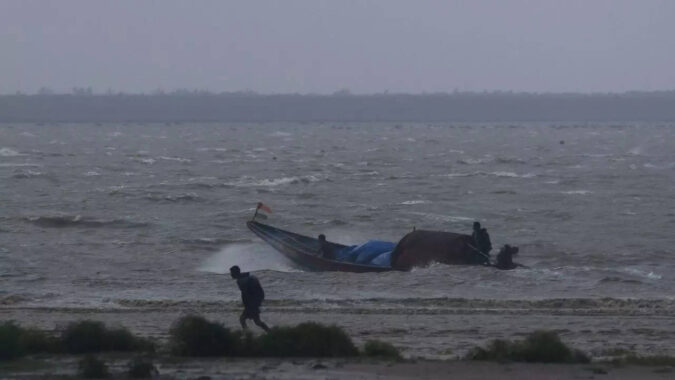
column 302, row 250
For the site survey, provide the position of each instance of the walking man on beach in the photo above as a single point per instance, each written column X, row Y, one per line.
column 252, row 295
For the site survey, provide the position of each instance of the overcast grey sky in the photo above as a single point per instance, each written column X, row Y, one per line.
column 321, row 46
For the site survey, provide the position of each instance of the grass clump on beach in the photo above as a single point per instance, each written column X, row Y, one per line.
column 380, row 349
column 141, row 368
column 93, row 336
column 193, row 335
column 90, row 367
column 196, row 336
column 307, row 339
column 540, row 346
column 17, row 341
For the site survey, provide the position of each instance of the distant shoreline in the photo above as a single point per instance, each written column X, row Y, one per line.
column 339, row 107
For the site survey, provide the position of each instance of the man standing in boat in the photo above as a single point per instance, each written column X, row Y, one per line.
column 481, row 239
column 325, row 249
column 252, row 295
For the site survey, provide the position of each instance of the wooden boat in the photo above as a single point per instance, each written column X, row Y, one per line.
column 302, row 250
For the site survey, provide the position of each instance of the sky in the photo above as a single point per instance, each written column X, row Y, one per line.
column 317, row 46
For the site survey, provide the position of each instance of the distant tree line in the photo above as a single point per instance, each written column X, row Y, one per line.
column 82, row 105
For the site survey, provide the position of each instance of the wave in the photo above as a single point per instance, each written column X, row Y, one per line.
column 64, row 221
column 19, row 165
column 252, row 257
column 492, row 174
column 251, row 182
column 187, row 197
column 474, row 161
column 177, row 159
column 23, row 174
column 577, row 192
column 443, row 218
column 414, row 202
column 8, row 152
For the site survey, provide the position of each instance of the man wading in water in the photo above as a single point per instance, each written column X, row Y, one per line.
column 252, row 295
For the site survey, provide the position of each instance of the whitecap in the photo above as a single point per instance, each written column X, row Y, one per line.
column 27, row 174
column 267, row 182
column 636, row 151
column 177, row 159
column 148, row 161
column 8, row 152
column 370, row 173
column 474, row 161
column 453, row 175
column 19, row 164
column 512, row 174
column 27, row 134
column 92, row 173
column 641, row 273
column 414, row 202
column 280, row 134
column 577, row 192
column 443, row 218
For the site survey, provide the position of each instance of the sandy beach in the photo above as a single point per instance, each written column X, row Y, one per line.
column 432, row 339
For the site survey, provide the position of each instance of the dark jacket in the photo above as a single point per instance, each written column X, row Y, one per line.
column 326, row 250
column 252, row 293
column 482, row 240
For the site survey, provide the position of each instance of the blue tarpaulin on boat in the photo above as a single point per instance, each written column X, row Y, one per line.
column 367, row 252
column 383, row 260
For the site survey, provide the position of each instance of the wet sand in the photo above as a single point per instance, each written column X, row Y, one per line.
column 181, row 368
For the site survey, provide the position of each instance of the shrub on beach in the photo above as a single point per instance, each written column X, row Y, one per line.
column 91, row 367
column 141, row 368
column 380, row 349
column 539, row 346
column 307, row 339
column 195, row 336
column 93, row 336
column 16, row 341
column 10, row 341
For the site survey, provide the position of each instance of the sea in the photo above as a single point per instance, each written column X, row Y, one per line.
column 116, row 216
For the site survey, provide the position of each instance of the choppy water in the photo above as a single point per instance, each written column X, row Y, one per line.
column 117, row 215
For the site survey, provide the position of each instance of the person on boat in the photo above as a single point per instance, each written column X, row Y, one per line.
column 481, row 240
column 325, row 249
column 505, row 257
column 252, row 295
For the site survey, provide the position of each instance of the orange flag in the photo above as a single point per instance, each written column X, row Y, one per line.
column 263, row 207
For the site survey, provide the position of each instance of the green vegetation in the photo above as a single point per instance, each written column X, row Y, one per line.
column 141, row 368
column 93, row 336
column 380, row 349
column 16, row 341
column 307, row 339
column 540, row 346
column 195, row 336
column 92, row 368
